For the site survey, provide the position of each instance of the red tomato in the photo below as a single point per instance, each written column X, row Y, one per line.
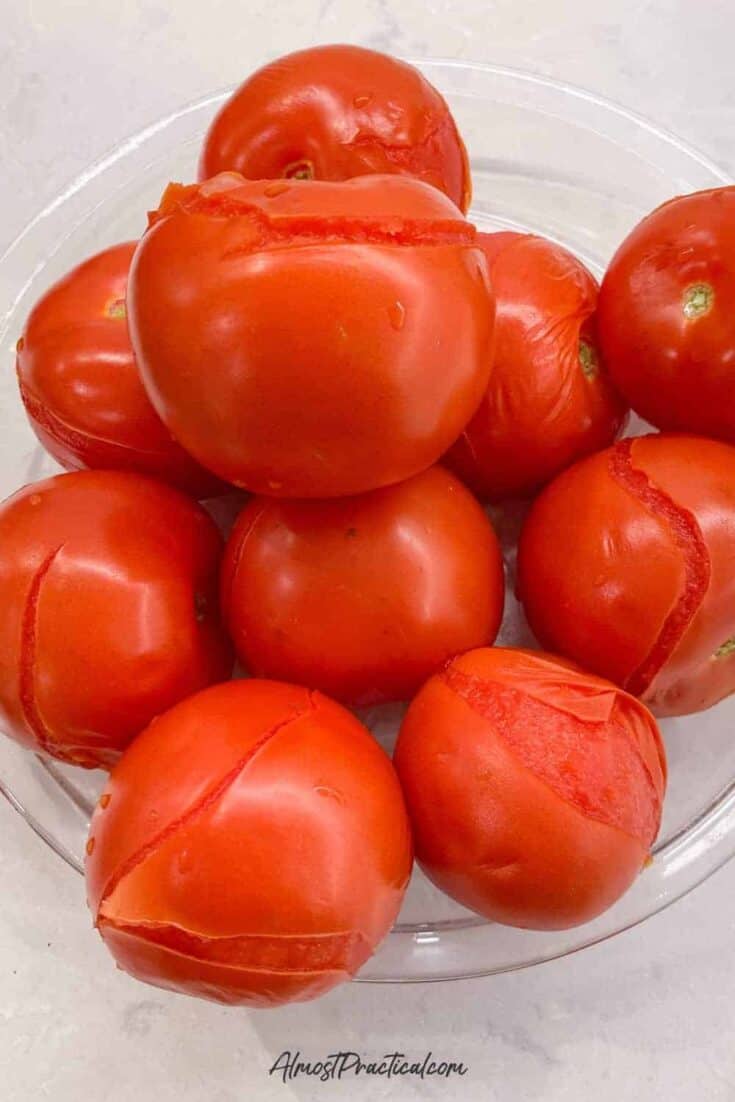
column 81, row 388
column 108, row 586
column 251, row 846
column 625, row 565
column 666, row 319
column 333, row 112
column 363, row 597
column 549, row 400
column 320, row 339
column 534, row 789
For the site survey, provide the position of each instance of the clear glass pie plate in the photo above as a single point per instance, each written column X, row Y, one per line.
column 546, row 158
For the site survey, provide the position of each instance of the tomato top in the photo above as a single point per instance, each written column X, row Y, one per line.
column 334, row 112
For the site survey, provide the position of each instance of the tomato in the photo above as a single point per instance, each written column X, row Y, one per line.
column 625, row 565
column 320, row 339
column 363, row 597
column 666, row 320
column 252, row 846
column 333, row 112
column 81, row 388
column 549, row 400
column 108, row 586
column 534, row 789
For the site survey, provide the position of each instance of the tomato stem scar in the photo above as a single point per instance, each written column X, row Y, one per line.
column 588, row 360
column 726, row 648
column 698, row 300
column 299, row 170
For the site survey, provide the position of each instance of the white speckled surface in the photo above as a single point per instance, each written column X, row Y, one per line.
column 648, row 1015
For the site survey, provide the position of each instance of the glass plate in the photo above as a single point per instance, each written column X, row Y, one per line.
column 546, row 158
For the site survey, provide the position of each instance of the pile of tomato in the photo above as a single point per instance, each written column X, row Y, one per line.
column 316, row 327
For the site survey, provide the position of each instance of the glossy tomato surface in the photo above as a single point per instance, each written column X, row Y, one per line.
column 80, row 385
column 333, row 112
column 320, row 339
column 108, row 586
column 534, row 788
column 549, row 400
column 252, row 846
column 667, row 324
column 366, row 596
column 625, row 565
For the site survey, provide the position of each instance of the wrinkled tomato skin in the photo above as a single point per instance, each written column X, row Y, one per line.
column 252, row 846
column 334, row 112
column 534, row 789
column 321, row 339
column 365, row 597
column 666, row 320
column 80, row 385
column 625, row 566
column 549, row 400
column 108, row 585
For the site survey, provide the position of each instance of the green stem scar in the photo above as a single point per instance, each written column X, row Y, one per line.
column 299, row 170
column 727, row 648
column 698, row 300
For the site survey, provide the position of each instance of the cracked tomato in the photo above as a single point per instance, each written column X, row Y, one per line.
column 307, row 339
column 108, row 590
column 666, row 316
column 534, row 788
column 549, row 400
column 363, row 597
column 333, row 112
column 625, row 566
column 81, row 388
column 251, row 846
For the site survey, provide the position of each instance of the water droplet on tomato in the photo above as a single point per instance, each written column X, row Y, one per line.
column 90, row 847
column 397, row 315
column 362, row 101
column 34, row 499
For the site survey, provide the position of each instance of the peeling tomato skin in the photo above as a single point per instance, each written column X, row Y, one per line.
column 666, row 318
column 297, row 574
column 636, row 581
column 320, row 341
column 108, row 583
column 234, row 783
column 340, row 111
column 544, row 407
column 534, row 788
column 80, row 385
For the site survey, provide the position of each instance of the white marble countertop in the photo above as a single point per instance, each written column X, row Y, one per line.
column 648, row 1015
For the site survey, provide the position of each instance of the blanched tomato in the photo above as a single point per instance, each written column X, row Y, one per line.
column 108, row 586
column 666, row 316
column 534, row 789
column 251, row 846
column 308, row 339
column 81, row 388
column 363, row 597
column 625, row 565
column 333, row 112
column 549, row 400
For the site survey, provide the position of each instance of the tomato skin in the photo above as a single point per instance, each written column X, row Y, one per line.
column 365, row 597
column 80, row 385
column 252, row 846
column 321, row 339
column 543, row 407
column 108, row 584
column 334, row 112
column 675, row 369
column 534, row 788
column 625, row 565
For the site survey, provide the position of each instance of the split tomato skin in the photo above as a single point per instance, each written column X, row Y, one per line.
column 625, row 565
column 549, row 400
column 666, row 320
column 363, row 597
column 108, row 584
column 80, row 385
column 534, row 789
column 251, row 847
column 335, row 112
column 321, row 339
